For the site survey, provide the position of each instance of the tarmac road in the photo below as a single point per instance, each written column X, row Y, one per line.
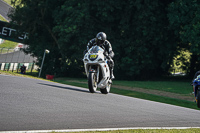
column 4, row 9
column 31, row 104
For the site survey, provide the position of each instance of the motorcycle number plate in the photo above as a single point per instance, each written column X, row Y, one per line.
column 93, row 56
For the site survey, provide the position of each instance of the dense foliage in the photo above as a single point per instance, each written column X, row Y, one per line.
column 184, row 19
column 145, row 35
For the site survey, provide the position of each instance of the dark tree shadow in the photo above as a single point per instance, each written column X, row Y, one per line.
column 68, row 88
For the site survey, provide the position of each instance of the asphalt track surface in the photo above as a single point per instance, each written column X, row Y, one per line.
column 4, row 9
column 32, row 104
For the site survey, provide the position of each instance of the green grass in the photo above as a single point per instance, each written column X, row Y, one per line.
column 8, row 44
column 157, row 98
column 180, row 87
column 2, row 18
column 5, row 50
column 175, row 86
column 164, row 85
column 28, row 74
column 8, row 1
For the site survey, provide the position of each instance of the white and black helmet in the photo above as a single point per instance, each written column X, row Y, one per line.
column 100, row 38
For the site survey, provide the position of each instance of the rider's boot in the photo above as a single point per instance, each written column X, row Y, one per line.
column 111, row 74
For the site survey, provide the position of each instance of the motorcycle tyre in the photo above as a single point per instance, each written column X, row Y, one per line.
column 106, row 90
column 91, row 83
column 198, row 98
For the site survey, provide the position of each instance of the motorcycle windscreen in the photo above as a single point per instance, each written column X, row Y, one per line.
column 96, row 49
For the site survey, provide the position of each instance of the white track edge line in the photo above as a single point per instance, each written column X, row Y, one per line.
column 99, row 129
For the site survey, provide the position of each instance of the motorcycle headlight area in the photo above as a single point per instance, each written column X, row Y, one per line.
column 100, row 60
column 92, row 57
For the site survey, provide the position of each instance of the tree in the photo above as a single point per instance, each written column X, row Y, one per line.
column 139, row 32
column 184, row 19
column 35, row 17
column 146, row 49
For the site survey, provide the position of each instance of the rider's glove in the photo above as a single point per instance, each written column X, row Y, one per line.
column 84, row 52
column 105, row 53
column 108, row 57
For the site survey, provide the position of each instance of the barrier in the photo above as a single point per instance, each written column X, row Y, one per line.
column 50, row 77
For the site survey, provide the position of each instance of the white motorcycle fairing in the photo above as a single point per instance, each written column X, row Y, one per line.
column 96, row 63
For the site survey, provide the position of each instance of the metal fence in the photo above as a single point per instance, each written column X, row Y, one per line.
column 13, row 59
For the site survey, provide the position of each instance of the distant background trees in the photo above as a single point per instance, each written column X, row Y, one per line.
column 146, row 35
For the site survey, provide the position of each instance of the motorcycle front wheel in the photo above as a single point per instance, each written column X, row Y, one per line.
column 106, row 90
column 198, row 98
column 92, row 83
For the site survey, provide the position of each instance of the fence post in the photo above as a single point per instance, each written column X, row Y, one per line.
column 13, row 67
column 18, row 67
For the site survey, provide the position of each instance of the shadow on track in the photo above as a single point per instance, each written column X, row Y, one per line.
column 69, row 88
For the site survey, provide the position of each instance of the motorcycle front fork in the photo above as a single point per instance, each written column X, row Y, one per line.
column 97, row 78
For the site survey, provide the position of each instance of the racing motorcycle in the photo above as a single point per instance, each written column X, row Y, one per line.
column 97, row 70
column 196, row 85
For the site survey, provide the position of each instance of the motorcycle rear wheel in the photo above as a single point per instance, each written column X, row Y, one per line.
column 92, row 83
column 106, row 90
column 198, row 98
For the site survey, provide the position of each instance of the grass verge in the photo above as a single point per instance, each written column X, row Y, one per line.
column 180, row 87
column 173, row 101
column 8, row 1
column 2, row 18
column 8, row 44
column 131, row 93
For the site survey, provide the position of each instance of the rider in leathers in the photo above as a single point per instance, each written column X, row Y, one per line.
column 101, row 41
